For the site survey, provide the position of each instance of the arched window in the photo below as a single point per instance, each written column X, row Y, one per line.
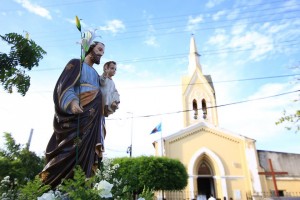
column 204, row 169
column 195, row 108
column 204, row 108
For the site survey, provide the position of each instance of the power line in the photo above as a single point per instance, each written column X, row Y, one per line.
column 225, row 81
column 185, row 15
column 212, row 11
column 114, row 150
column 207, row 28
column 178, row 32
column 209, row 82
column 215, row 22
column 209, row 22
column 223, row 105
column 54, row 5
column 284, row 12
column 181, row 55
column 206, row 53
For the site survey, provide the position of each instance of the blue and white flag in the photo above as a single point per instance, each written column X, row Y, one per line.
column 156, row 129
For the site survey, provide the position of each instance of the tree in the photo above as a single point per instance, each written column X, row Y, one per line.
column 24, row 55
column 18, row 163
column 292, row 119
column 157, row 173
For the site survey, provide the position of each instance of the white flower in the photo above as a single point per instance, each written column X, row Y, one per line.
column 88, row 39
column 104, row 189
column 141, row 198
column 47, row 196
column 5, row 180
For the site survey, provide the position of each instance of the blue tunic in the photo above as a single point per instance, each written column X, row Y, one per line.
column 89, row 80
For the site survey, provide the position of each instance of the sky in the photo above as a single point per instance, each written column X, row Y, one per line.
column 250, row 49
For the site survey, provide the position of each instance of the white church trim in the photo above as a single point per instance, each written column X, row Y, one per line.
column 219, row 163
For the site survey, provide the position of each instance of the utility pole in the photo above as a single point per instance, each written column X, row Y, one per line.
column 29, row 139
column 129, row 149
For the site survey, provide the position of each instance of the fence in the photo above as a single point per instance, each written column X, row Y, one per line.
column 182, row 195
column 186, row 195
column 271, row 196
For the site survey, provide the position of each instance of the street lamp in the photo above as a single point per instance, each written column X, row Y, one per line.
column 129, row 149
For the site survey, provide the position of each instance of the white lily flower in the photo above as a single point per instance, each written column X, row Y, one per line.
column 88, row 39
column 104, row 189
column 47, row 196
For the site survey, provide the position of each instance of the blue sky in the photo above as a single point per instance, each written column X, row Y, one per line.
column 150, row 42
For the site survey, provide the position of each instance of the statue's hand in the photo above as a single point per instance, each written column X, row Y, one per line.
column 75, row 108
column 114, row 106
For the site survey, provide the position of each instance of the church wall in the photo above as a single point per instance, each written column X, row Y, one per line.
column 236, row 189
column 281, row 162
column 288, row 186
column 228, row 149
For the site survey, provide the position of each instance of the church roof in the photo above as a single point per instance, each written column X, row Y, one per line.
column 204, row 125
column 209, row 80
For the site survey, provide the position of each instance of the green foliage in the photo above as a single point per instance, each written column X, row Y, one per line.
column 8, row 188
column 24, row 55
column 292, row 119
column 12, row 149
column 33, row 189
column 79, row 187
column 18, row 163
column 158, row 173
column 147, row 194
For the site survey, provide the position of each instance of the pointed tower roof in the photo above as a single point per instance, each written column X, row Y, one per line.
column 198, row 92
column 194, row 61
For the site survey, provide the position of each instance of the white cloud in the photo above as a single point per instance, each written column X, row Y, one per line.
column 238, row 28
column 290, row 5
column 36, row 9
column 213, row 3
column 113, row 26
column 151, row 41
column 233, row 14
column 126, row 68
column 261, row 44
column 277, row 28
column 248, row 118
column 20, row 13
column 269, row 89
column 218, row 15
column 218, row 39
column 150, row 37
column 193, row 22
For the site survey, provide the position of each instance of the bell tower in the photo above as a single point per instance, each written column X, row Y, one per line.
column 198, row 94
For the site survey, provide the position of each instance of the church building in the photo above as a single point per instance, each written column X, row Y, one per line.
column 219, row 162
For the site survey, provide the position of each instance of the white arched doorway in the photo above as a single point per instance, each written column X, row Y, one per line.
column 203, row 155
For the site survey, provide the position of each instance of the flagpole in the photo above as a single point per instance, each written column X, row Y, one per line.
column 161, row 139
column 161, row 143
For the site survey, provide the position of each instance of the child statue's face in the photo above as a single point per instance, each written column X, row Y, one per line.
column 111, row 70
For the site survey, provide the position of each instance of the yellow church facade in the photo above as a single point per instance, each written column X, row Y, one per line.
column 219, row 162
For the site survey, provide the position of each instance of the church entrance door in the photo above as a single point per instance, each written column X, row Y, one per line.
column 205, row 187
column 205, row 181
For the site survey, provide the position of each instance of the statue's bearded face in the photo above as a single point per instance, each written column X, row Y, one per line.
column 97, row 53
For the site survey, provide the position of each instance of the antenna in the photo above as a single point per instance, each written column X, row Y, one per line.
column 29, row 139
